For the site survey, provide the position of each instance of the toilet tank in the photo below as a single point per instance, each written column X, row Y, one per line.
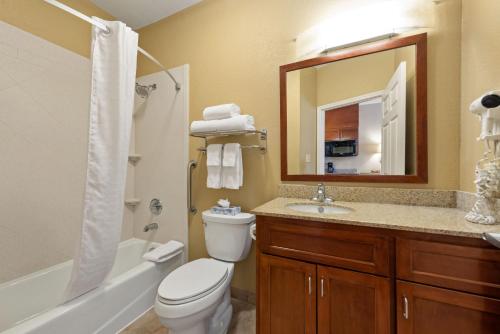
column 228, row 237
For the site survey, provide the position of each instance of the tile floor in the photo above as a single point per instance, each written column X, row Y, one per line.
column 243, row 321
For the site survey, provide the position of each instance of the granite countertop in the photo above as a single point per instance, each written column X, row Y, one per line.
column 449, row 221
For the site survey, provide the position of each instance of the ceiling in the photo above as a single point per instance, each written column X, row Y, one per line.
column 138, row 14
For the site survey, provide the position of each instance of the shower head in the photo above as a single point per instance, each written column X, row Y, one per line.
column 143, row 91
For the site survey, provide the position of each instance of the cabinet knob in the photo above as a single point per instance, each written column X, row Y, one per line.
column 322, row 287
column 310, row 285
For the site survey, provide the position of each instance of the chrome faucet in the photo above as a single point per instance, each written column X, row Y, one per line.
column 321, row 195
column 151, row 227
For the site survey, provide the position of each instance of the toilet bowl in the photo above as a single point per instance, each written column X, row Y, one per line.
column 195, row 298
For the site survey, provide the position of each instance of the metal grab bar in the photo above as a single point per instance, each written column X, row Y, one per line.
column 191, row 209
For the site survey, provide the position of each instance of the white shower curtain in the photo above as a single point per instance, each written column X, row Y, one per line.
column 114, row 60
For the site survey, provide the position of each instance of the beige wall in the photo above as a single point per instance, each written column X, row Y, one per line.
column 301, row 120
column 293, row 121
column 338, row 81
column 308, row 120
column 235, row 48
column 51, row 23
column 354, row 77
column 480, row 73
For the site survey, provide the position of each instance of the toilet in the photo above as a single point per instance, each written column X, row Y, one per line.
column 196, row 297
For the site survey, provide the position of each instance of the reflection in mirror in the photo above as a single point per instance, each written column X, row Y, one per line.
column 353, row 116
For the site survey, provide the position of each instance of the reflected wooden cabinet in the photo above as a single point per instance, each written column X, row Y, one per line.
column 328, row 278
column 342, row 123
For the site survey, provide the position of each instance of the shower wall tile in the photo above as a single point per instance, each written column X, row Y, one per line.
column 44, row 106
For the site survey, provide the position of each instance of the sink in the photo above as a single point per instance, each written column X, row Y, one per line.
column 317, row 208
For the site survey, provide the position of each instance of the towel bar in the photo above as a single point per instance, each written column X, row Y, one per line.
column 207, row 135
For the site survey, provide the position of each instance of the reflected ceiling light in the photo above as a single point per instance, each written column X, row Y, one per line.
column 381, row 20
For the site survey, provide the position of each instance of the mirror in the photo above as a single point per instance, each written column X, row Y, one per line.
column 357, row 115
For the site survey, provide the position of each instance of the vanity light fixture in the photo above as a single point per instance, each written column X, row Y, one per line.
column 370, row 23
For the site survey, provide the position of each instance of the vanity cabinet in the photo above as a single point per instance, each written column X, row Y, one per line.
column 300, row 297
column 314, row 279
column 352, row 303
column 425, row 309
column 328, row 278
column 287, row 299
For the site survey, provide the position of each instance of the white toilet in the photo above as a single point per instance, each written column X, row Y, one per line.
column 196, row 298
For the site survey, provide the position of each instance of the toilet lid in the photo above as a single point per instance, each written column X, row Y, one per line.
column 192, row 281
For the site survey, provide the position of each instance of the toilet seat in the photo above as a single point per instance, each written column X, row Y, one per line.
column 192, row 281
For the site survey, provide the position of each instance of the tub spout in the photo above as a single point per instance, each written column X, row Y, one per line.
column 151, row 227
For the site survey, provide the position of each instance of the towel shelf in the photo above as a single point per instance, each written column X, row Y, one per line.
column 209, row 135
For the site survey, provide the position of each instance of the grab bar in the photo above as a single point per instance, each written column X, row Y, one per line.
column 191, row 209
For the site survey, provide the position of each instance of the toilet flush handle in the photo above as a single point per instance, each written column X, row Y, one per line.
column 253, row 231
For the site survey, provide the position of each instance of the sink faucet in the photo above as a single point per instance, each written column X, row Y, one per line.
column 321, row 195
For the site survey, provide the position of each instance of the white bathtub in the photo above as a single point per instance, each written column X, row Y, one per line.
column 30, row 304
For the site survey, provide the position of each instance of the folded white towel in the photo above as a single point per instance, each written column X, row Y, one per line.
column 221, row 111
column 237, row 123
column 214, row 166
column 164, row 252
column 232, row 166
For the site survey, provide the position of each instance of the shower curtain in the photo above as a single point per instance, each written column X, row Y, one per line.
column 114, row 60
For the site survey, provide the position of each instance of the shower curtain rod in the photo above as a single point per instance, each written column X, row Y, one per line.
column 106, row 28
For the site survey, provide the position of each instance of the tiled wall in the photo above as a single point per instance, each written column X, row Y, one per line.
column 161, row 130
column 44, row 94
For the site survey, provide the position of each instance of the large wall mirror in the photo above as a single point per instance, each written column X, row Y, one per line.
column 357, row 115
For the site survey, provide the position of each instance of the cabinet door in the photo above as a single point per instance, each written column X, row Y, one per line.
column 287, row 296
column 332, row 134
column 423, row 309
column 352, row 303
column 349, row 133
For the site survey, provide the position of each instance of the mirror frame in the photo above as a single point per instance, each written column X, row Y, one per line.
column 421, row 176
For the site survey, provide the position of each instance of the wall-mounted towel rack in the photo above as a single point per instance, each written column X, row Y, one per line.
column 208, row 135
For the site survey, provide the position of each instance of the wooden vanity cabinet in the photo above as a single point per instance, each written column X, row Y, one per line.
column 329, row 278
column 287, row 299
column 424, row 309
column 302, row 287
column 300, row 297
column 447, row 287
column 352, row 303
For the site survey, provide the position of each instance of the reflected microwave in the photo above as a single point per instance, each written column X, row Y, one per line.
column 341, row 148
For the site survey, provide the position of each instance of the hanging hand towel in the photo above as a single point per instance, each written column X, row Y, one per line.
column 237, row 123
column 221, row 111
column 114, row 59
column 232, row 166
column 214, row 166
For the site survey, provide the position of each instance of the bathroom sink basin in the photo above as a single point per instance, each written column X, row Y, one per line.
column 322, row 209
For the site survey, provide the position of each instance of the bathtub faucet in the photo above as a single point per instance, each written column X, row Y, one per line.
column 151, row 227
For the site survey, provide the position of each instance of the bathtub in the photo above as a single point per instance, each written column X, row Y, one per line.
column 30, row 304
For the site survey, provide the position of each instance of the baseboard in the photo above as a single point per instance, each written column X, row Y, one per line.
column 243, row 295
